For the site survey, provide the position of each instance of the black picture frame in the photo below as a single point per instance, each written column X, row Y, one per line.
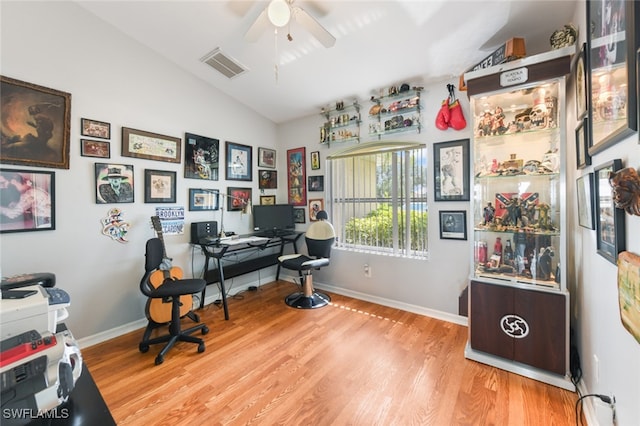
column 50, row 109
column 27, row 200
column 315, row 160
column 114, row 183
column 95, row 129
column 584, row 192
column 299, row 215
column 267, row 179
column 267, row 158
column 238, row 198
column 239, row 162
column 583, row 159
column 201, row 199
column 453, row 224
column 316, row 183
column 159, row 186
column 451, row 170
column 580, row 82
column 611, row 71
column 610, row 225
column 201, row 157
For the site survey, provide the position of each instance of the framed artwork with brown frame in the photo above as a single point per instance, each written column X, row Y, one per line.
column 453, row 225
column 91, row 148
column 237, row 198
column 159, row 186
column 612, row 44
column 584, row 190
column 267, row 158
column 583, row 159
column 315, row 205
column 150, row 146
column 114, row 183
column 28, row 201
column 36, row 123
column 203, row 199
column 296, row 176
column 201, row 157
column 267, row 200
column 95, row 128
column 451, row 170
column 610, row 226
column 239, row 162
column 268, row 179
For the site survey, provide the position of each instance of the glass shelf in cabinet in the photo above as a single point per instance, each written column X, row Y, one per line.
column 414, row 127
column 515, row 279
column 512, row 135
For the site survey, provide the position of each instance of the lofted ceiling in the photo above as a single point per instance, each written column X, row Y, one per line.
column 378, row 44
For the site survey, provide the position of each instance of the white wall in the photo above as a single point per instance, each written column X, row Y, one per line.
column 113, row 79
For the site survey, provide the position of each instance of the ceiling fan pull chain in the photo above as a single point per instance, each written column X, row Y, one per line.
column 275, row 38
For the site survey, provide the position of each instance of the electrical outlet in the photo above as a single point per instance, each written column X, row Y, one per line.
column 367, row 270
column 596, row 368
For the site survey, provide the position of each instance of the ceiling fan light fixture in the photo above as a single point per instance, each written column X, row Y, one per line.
column 279, row 12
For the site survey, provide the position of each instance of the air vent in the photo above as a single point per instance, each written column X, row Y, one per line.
column 224, row 64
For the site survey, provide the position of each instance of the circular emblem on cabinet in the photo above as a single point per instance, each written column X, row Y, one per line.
column 514, row 326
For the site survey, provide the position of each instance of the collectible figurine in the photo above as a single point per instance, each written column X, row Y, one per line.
column 497, row 247
column 544, row 263
column 486, row 124
column 498, row 127
column 489, row 213
column 508, row 254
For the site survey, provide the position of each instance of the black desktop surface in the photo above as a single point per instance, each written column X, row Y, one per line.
column 274, row 233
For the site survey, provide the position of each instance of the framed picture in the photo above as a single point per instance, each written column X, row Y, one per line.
column 584, row 188
column 91, row 148
column 114, row 183
column 316, row 183
column 267, row 158
column 268, row 179
column 267, row 200
column 612, row 44
column 453, row 224
column 296, row 176
column 95, row 128
column 583, row 159
column 36, row 123
column 315, row 160
column 451, row 170
column 298, row 215
column 201, row 157
column 203, row 199
column 27, row 200
column 315, row 205
column 159, row 186
column 628, row 290
column 238, row 198
column 150, row 146
column 239, row 162
column 580, row 82
column 609, row 220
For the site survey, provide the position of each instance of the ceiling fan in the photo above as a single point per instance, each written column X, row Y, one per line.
column 280, row 13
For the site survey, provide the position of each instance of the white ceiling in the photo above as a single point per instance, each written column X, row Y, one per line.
column 379, row 44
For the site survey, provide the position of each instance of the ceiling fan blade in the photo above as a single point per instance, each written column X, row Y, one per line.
column 239, row 7
column 318, row 31
column 258, row 27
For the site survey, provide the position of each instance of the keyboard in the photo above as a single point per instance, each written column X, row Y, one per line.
column 244, row 240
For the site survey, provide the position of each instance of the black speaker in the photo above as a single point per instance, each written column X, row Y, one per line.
column 203, row 230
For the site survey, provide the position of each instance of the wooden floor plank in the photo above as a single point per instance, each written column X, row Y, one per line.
column 350, row 363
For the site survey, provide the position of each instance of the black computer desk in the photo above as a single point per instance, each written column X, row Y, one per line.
column 226, row 250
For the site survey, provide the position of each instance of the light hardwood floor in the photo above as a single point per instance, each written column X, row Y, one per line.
column 350, row 363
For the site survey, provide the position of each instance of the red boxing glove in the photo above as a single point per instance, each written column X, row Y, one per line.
column 457, row 121
column 444, row 115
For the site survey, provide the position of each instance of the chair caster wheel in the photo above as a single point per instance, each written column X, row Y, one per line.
column 143, row 348
column 201, row 348
column 205, row 330
column 159, row 359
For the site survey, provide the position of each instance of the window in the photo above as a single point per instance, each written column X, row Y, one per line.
column 377, row 197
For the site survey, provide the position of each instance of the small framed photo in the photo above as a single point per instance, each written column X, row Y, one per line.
column 114, row 183
column 239, row 162
column 315, row 160
column 584, row 188
column 95, row 128
column 28, row 201
column 268, row 179
column 315, row 205
column 159, row 186
column 580, row 80
column 316, row 183
column 610, row 225
column 203, row 199
column 453, row 224
column 267, row 200
column 238, row 198
column 91, row 148
column 583, row 159
column 267, row 158
column 451, row 170
column 298, row 215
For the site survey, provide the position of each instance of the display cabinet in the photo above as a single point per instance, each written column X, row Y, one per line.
column 518, row 298
column 342, row 123
column 397, row 112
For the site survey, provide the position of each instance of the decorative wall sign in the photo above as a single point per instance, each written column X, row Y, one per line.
column 114, row 226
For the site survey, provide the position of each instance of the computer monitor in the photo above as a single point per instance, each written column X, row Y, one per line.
column 275, row 217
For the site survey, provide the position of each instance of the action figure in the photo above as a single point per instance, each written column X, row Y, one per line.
column 489, row 213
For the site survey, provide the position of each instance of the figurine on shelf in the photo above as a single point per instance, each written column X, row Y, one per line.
column 489, row 213
column 498, row 127
column 486, row 124
column 544, row 263
column 508, row 254
column 497, row 247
